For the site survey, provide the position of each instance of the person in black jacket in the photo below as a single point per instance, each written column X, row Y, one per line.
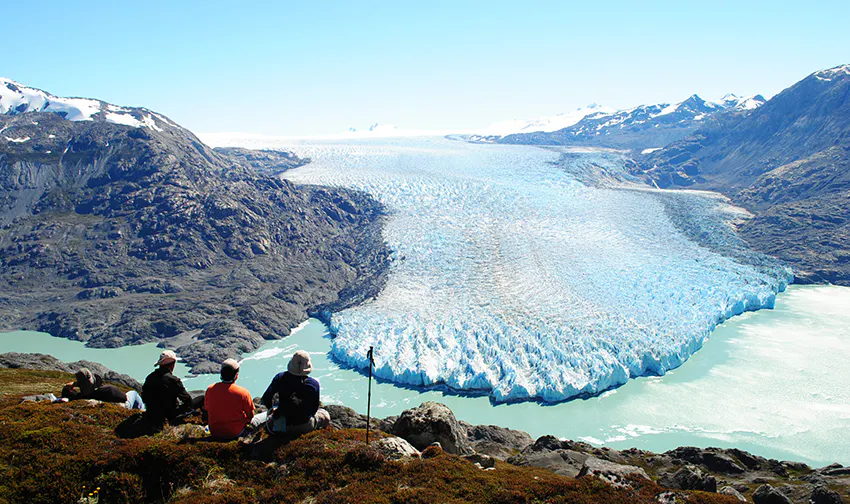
column 298, row 410
column 164, row 395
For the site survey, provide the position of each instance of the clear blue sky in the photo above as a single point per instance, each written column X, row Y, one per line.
column 311, row 67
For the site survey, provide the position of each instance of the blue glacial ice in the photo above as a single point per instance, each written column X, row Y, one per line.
column 528, row 273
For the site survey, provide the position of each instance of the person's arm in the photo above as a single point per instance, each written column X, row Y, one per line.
column 70, row 392
column 312, row 403
column 268, row 396
column 180, row 392
column 248, row 406
column 206, row 398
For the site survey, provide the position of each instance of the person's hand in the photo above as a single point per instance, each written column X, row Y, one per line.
column 71, row 384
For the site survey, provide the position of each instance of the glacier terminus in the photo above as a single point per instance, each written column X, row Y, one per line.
column 530, row 273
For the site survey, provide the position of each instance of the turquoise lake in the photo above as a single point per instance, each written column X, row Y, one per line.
column 773, row 382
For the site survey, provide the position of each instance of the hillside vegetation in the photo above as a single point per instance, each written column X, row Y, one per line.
column 59, row 452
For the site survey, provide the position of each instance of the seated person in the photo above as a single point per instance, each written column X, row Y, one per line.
column 229, row 406
column 90, row 386
column 298, row 409
column 164, row 394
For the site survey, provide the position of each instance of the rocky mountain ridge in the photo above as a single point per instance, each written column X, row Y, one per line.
column 117, row 234
column 638, row 128
column 788, row 162
column 16, row 98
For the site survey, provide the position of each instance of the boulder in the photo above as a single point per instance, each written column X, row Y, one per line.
column 610, row 471
column 343, row 417
column 727, row 490
column 749, row 460
column 509, row 438
column 689, row 478
column 721, row 463
column 712, row 458
column 563, row 462
column 823, row 495
column 837, row 471
column 766, row 494
column 395, row 448
column 432, row 422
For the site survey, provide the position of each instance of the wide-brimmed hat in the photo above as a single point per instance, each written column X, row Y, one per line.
column 166, row 357
column 300, row 364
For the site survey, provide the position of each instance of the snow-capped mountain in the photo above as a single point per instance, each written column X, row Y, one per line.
column 15, row 98
column 546, row 124
column 643, row 127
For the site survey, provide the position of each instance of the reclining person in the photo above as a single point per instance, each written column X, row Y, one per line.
column 89, row 385
column 164, row 394
column 229, row 406
column 298, row 409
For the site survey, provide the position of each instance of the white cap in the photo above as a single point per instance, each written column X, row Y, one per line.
column 166, row 357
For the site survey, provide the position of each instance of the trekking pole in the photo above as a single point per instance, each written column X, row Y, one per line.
column 369, row 397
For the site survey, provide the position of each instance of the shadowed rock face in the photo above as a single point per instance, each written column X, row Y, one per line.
column 789, row 163
column 117, row 235
column 267, row 161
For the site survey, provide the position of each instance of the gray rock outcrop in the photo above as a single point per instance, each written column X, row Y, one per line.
column 495, row 441
column 689, row 478
column 611, row 471
column 432, row 422
column 731, row 491
column 766, row 494
column 824, row 495
column 395, row 448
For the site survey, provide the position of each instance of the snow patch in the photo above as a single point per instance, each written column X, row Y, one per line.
column 15, row 98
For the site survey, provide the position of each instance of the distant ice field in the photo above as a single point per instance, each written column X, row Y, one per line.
column 528, row 273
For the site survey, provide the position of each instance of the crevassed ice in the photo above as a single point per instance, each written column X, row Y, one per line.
column 512, row 278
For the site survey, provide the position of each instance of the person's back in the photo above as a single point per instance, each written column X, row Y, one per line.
column 229, row 406
column 298, row 394
column 162, row 391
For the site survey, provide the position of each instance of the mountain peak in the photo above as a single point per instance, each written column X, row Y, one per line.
column 17, row 98
column 831, row 73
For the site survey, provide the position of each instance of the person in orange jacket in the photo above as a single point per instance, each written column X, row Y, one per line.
column 229, row 406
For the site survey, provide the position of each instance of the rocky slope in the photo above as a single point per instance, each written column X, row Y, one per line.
column 117, row 234
column 268, row 162
column 733, row 472
column 789, row 163
column 639, row 128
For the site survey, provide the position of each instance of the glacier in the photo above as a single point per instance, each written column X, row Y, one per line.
column 535, row 273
